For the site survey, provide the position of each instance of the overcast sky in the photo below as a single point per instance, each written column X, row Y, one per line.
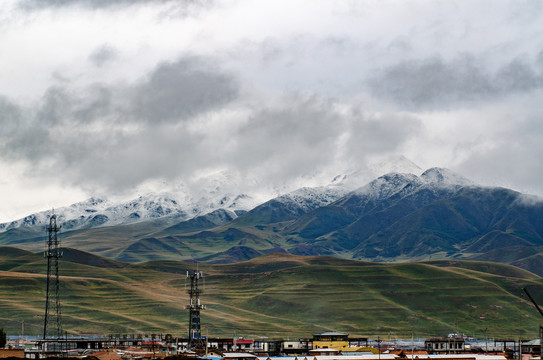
column 109, row 98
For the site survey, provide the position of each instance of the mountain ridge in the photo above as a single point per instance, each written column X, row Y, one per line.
column 197, row 197
column 395, row 217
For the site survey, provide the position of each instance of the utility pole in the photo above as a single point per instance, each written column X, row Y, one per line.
column 412, row 345
column 207, row 337
column 379, row 346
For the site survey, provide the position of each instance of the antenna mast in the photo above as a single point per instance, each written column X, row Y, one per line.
column 196, row 341
column 52, row 320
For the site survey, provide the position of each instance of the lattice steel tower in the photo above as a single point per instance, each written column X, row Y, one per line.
column 195, row 328
column 52, row 322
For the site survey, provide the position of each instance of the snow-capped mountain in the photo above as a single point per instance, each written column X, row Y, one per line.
column 397, row 216
column 221, row 190
column 444, row 177
column 388, row 185
column 96, row 212
column 311, row 198
column 401, row 184
column 296, row 203
column 352, row 179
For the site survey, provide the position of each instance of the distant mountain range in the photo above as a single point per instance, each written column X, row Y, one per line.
column 222, row 190
column 96, row 212
column 395, row 217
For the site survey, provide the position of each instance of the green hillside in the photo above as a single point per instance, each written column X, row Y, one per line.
column 276, row 295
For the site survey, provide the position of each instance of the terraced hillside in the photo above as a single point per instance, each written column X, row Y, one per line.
column 277, row 295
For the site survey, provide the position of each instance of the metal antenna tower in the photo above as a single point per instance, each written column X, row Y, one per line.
column 52, row 321
column 195, row 329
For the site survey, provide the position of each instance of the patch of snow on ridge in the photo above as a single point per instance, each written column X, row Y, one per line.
column 396, row 184
column 220, row 216
column 394, row 164
column 442, row 176
column 96, row 212
column 390, row 184
column 354, row 179
column 311, row 198
column 75, row 213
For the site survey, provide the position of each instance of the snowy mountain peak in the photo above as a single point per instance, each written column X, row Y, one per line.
column 444, row 176
column 222, row 191
column 353, row 179
column 394, row 164
column 398, row 184
column 390, row 184
column 312, row 198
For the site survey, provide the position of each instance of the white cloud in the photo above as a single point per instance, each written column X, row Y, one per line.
column 117, row 96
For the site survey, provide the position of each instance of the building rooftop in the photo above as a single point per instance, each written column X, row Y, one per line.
column 330, row 350
column 238, row 355
column 331, row 333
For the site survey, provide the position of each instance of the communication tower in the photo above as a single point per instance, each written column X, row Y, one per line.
column 52, row 320
column 196, row 339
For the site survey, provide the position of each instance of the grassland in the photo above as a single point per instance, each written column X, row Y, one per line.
column 277, row 295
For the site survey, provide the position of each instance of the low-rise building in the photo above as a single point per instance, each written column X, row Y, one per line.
column 267, row 347
column 296, row 347
column 445, row 345
column 331, row 339
column 532, row 348
column 231, row 344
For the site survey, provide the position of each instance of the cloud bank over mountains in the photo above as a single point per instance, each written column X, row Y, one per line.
column 104, row 97
column 434, row 83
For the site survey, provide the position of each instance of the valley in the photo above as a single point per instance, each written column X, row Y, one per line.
column 276, row 295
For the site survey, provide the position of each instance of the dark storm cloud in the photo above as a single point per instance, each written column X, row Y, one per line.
column 306, row 135
column 290, row 139
column 97, row 141
column 116, row 136
column 434, row 83
column 373, row 134
column 181, row 89
column 171, row 93
column 514, row 150
column 10, row 118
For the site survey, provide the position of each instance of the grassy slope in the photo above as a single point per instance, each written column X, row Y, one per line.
column 106, row 241
column 277, row 295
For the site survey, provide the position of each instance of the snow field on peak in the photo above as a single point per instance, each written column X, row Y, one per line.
column 96, row 212
column 392, row 184
column 444, row 176
column 311, row 198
